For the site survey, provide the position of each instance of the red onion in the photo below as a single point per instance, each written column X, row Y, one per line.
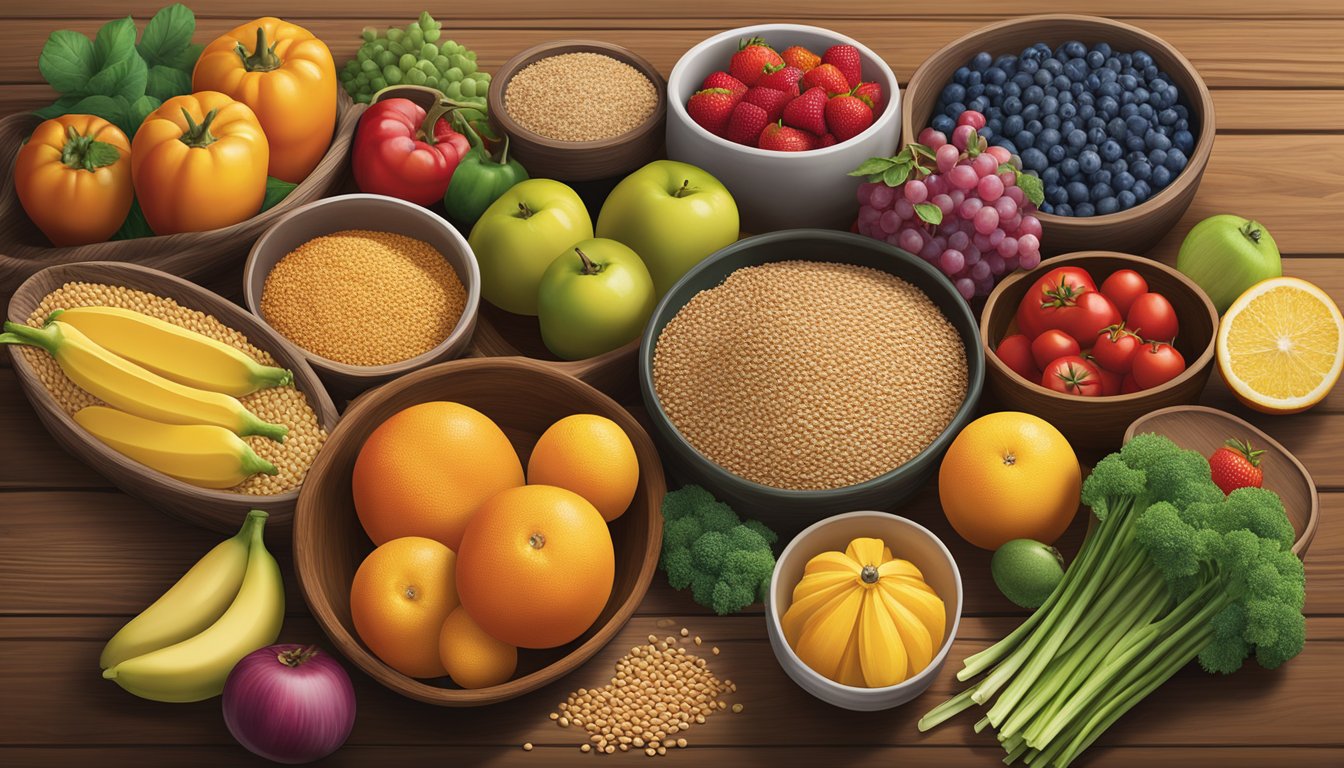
column 289, row 703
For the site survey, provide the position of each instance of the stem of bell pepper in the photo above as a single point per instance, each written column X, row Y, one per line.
column 263, row 58
column 199, row 135
column 84, row 153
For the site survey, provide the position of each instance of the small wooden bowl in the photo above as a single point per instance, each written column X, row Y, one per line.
column 1096, row 424
column 1134, row 230
column 1202, row 429
column 197, row 256
column 580, row 160
column 523, row 397
column 218, row 510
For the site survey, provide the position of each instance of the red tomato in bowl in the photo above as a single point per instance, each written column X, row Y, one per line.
column 1123, row 287
column 1072, row 375
column 1056, row 289
column 1051, row 345
column 1153, row 318
column 1115, row 349
column 1090, row 314
column 1157, row 363
column 1128, row 386
column 1015, row 352
column 1110, row 381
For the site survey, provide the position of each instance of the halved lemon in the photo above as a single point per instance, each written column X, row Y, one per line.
column 1281, row 345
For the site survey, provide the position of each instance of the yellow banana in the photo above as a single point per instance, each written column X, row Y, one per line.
column 191, row 605
column 173, row 352
column 201, row 454
column 125, row 385
column 196, row 668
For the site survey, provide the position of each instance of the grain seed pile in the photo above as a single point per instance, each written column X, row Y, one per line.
column 364, row 298
column 580, row 97
column 810, row 375
column 280, row 405
column 659, row 692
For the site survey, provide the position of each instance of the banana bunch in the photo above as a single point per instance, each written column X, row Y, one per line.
column 174, row 392
column 183, row 646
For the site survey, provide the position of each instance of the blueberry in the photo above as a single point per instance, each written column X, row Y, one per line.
column 1032, row 125
column 974, row 78
column 1024, row 139
column 1108, row 107
column 1157, row 157
column 1096, row 135
column 994, row 92
column 1062, row 82
column 1076, row 138
column 1046, row 207
column 995, row 121
column 955, row 108
column 1113, row 64
column 1098, row 191
column 1065, row 126
column 1157, row 99
column 1063, row 209
column 1107, row 205
column 981, row 61
column 1012, row 89
column 1086, row 112
column 1156, row 140
column 1107, row 77
column 1142, row 170
column 996, row 76
column 961, row 75
column 1031, row 112
column 1176, row 160
column 1123, row 180
column 1119, row 166
column 1075, row 49
column 1056, row 153
column 1033, row 94
column 1022, row 79
column 986, row 132
column 1076, row 70
column 1043, row 77
column 1134, row 142
column 1067, row 111
column 1077, row 89
column 1011, row 105
column 1084, row 209
column 1068, row 168
column 1129, row 110
column 957, row 92
column 1065, row 97
column 1147, row 112
column 1050, row 105
column 1141, row 191
column 1161, row 177
column 1053, row 65
column 1029, row 66
column 1136, row 124
column 1008, row 145
column 1050, row 176
column 1184, row 141
column 1110, row 150
column 1151, row 72
column 1056, row 195
column 1095, row 59
column 1103, row 48
column 1012, row 124
column 1005, row 61
column 943, row 123
column 1033, row 159
column 1126, row 199
column 1089, row 162
column 1051, row 121
column 979, row 104
column 974, row 90
column 1086, row 99
column 1049, row 137
column 1182, row 125
column 1102, row 176
column 1142, row 59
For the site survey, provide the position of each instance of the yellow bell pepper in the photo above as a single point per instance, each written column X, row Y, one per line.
column 199, row 162
column 288, row 79
column 73, row 177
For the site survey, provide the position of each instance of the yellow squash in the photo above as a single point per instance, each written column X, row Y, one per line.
column 864, row 618
column 288, row 78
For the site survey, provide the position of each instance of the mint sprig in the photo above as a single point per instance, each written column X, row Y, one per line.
column 914, row 159
column 1030, row 183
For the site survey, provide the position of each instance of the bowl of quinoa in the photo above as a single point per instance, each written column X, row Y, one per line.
column 802, row 373
column 580, row 110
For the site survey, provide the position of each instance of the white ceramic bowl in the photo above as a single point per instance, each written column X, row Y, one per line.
column 908, row 540
column 781, row 190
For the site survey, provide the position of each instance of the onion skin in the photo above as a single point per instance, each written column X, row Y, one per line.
column 289, row 703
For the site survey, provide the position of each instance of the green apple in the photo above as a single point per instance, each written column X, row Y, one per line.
column 518, row 237
column 1227, row 254
column 673, row 215
column 594, row 297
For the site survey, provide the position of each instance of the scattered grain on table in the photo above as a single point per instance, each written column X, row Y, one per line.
column 281, row 405
column 363, row 297
column 580, row 96
column 810, row 375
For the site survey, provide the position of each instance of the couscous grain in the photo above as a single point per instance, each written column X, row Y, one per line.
column 580, row 96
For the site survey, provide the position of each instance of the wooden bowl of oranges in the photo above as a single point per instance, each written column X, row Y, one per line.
column 478, row 529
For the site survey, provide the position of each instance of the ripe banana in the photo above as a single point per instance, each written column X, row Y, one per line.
column 191, row 605
column 196, row 668
column 173, row 352
column 201, row 454
column 125, row 385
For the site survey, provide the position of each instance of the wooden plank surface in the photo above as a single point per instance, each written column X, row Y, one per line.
column 78, row 559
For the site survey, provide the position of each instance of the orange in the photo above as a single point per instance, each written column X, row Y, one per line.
column 1009, row 476
column 590, row 455
column 399, row 599
column 536, row 566
column 425, row 470
column 472, row 657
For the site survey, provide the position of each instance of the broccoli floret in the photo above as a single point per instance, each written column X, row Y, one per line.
column 726, row 563
column 1112, row 482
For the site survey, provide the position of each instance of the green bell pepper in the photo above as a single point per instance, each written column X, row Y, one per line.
column 480, row 178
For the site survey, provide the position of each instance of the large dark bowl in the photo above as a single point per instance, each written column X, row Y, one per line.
column 793, row 507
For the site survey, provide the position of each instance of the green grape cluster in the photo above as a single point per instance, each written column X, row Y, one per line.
column 414, row 56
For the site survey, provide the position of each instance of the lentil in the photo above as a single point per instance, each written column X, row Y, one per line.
column 842, row 373
column 364, row 298
column 580, row 97
column 281, row 405
column 527, row 746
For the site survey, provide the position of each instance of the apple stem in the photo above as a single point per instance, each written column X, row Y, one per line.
column 684, row 189
column 524, row 212
column 1252, row 231
column 589, row 268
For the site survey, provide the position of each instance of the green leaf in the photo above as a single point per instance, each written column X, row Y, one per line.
column 115, row 43
column 276, row 190
column 872, row 165
column 115, row 110
column 57, row 108
column 165, row 82
column 134, row 226
column 126, row 79
column 896, row 175
column 929, row 212
column 921, row 150
column 140, row 109
column 167, row 38
column 102, row 154
column 1031, row 187
column 1006, row 168
column 67, row 62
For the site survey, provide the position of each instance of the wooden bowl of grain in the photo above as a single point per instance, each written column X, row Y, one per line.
column 833, row 386
column 219, row 510
column 1095, row 425
column 547, row 132
column 373, row 299
column 523, row 397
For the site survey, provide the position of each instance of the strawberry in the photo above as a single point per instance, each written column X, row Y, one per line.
column 1235, row 466
column 746, row 124
column 847, row 116
column 828, row 140
column 785, row 80
column 712, row 108
column 722, row 79
column 827, row 76
column 800, row 57
column 808, row 111
column 869, row 93
column 845, row 58
column 753, row 59
column 782, row 138
column 769, row 99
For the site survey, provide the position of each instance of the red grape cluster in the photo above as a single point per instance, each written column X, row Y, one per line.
column 960, row 205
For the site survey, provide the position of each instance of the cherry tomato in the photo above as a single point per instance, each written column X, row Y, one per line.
column 1110, row 381
column 1115, row 349
column 1015, row 352
column 1152, row 317
column 1052, row 345
column 1072, row 375
column 1157, row 363
column 1123, row 287
column 1090, row 314
column 1055, row 289
column 1129, row 386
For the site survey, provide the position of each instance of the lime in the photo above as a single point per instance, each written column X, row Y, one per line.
column 1027, row 571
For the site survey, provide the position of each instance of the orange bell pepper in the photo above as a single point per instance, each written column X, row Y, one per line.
column 198, row 163
column 288, row 79
column 73, row 177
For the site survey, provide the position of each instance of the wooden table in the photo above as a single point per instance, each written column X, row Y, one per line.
column 77, row 558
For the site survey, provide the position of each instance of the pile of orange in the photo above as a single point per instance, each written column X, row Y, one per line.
column 474, row 559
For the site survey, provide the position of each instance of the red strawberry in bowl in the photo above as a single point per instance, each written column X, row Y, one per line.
column 847, row 116
column 846, row 58
column 746, row 124
column 800, row 57
column 808, row 111
column 827, row 140
column 785, row 80
column 782, row 138
column 722, row 79
column 711, row 109
column 871, row 94
column 769, row 99
column 826, row 76
column 753, row 60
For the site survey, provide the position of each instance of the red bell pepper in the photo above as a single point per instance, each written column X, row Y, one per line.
column 402, row 151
